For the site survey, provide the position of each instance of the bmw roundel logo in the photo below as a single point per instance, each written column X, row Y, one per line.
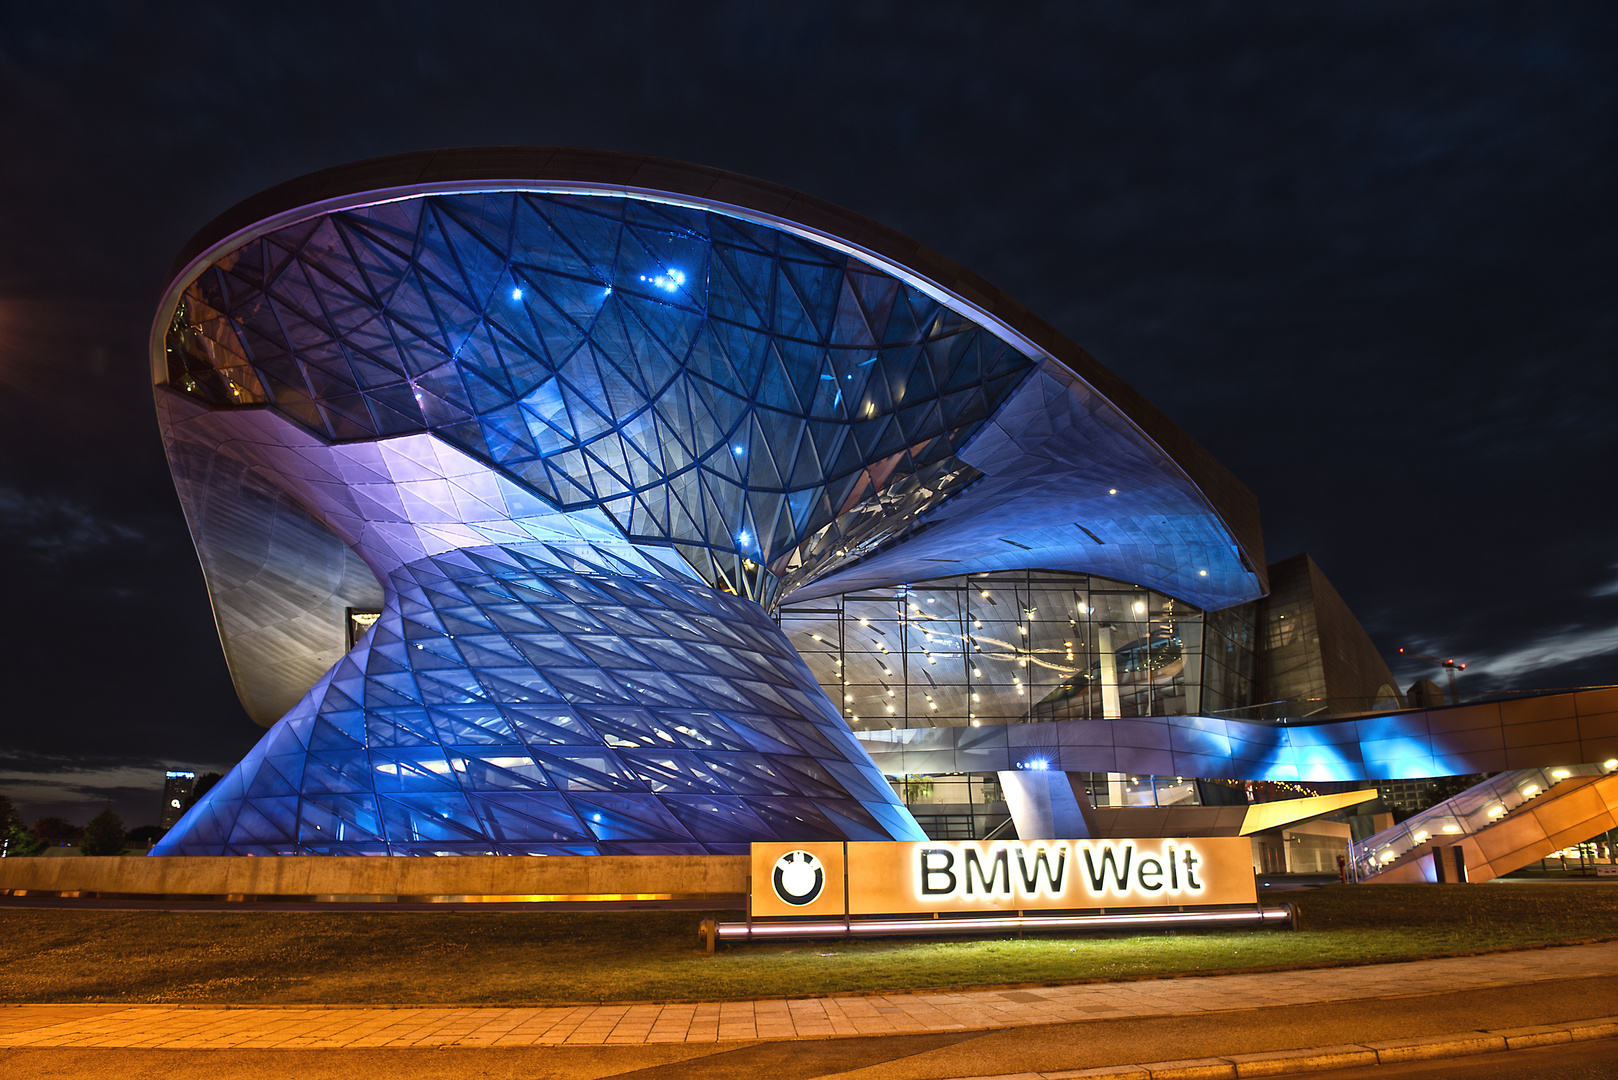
column 798, row 878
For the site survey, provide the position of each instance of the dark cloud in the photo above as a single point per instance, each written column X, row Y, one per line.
column 1361, row 251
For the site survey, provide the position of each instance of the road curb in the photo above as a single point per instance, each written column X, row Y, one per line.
column 1347, row 1056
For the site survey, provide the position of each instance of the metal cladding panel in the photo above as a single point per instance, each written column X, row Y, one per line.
column 1539, row 732
column 1219, row 747
column 1140, row 759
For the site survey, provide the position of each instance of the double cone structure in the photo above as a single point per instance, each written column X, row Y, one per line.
column 550, row 434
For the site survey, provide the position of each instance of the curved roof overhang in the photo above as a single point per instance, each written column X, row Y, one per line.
column 557, row 170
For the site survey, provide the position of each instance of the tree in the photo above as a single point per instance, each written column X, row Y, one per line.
column 16, row 841
column 104, row 835
column 55, row 830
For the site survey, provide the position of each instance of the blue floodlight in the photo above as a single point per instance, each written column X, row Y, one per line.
column 516, row 294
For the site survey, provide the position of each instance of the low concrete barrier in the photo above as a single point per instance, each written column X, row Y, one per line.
column 385, row 878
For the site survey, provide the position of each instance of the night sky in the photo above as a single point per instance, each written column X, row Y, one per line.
column 1364, row 253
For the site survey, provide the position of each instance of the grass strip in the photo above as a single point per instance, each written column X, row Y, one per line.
column 62, row 955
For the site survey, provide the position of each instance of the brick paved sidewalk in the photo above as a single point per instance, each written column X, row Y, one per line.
column 222, row 1027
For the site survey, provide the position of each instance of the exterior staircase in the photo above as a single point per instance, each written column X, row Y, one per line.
column 1500, row 825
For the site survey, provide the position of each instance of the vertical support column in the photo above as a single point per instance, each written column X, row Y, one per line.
column 1111, row 706
column 1190, row 631
column 1043, row 805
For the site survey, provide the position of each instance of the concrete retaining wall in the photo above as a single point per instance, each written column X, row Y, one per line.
column 384, row 878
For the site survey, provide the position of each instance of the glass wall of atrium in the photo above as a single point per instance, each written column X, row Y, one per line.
column 1017, row 646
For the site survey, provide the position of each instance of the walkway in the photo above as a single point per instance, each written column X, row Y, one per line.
column 244, row 1027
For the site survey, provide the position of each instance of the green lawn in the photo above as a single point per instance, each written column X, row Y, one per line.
column 53, row 955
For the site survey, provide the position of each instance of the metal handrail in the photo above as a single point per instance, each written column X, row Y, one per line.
column 1473, row 810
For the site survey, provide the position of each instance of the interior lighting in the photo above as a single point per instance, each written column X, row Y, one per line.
column 848, row 697
column 890, row 693
column 1019, row 691
column 985, row 594
column 1202, row 573
column 1530, row 791
column 1610, row 763
column 1419, row 837
column 516, row 294
column 1452, row 829
column 1561, row 774
column 1140, row 607
column 1496, row 811
column 1023, row 630
column 865, row 622
column 890, row 708
column 976, row 673
column 1112, row 491
column 668, row 281
column 932, row 659
column 815, row 636
column 929, row 599
column 743, row 537
column 738, row 450
column 977, row 723
column 932, row 704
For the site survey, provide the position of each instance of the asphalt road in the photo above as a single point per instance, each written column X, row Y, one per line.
column 904, row 1057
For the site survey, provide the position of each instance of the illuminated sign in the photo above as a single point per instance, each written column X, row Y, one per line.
column 965, row 876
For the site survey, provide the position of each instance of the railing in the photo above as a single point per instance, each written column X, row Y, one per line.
column 960, row 826
column 1316, row 710
column 1468, row 813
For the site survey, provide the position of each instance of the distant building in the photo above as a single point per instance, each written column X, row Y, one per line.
column 176, row 789
column 1404, row 795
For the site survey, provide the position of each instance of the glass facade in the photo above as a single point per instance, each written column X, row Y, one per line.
column 767, row 406
column 1228, row 677
column 1015, row 647
column 546, row 700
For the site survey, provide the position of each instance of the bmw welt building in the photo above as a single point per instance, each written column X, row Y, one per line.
column 559, row 502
